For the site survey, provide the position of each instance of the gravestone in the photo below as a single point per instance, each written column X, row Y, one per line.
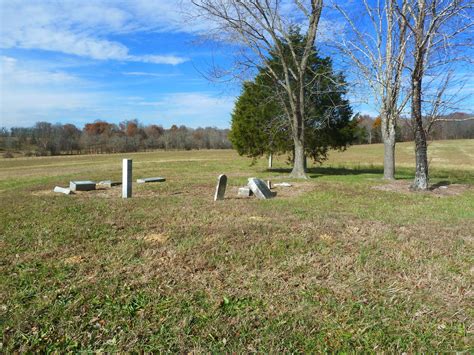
column 283, row 184
column 245, row 192
column 152, row 179
column 260, row 189
column 63, row 190
column 127, row 178
column 108, row 183
column 81, row 185
column 220, row 188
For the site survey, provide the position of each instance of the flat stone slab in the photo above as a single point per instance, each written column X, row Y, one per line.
column 283, row 184
column 220, row 188
column 245, row 192
column 108, row 183
column 260, row 189
column 63, row 190
column 152, row 179
column 82, row 185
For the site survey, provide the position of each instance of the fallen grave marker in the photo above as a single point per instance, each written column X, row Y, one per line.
column 152, row 179
column 82, row 185
column 63, row 190
column 108, row 183
column 283, row 184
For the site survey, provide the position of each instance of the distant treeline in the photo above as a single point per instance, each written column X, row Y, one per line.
column 453, row 126
column 102, row 137
column 130, row 136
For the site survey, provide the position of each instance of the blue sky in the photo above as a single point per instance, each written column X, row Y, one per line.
column 79, row 61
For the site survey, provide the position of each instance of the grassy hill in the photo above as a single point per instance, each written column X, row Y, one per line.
column 341, row 262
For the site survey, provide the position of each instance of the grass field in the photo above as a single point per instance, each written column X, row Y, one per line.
column 335, row 263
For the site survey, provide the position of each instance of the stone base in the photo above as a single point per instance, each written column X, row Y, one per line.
column 245, row 192
column 63, row 190
column 108, row 183
column 82, row 185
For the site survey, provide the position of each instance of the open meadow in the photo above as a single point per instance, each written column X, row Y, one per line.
column 341, row 262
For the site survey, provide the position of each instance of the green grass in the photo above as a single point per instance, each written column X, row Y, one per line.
column 331, row 264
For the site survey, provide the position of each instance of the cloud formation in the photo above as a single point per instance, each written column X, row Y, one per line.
column 82, row 28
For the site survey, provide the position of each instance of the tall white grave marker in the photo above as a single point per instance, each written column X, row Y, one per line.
column 127, row 178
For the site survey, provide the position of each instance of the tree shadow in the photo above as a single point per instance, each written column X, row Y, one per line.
column 440, row 184
column 321, row 171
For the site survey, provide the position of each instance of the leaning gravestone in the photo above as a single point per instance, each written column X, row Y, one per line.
column 152, row 179
column 81, row 185
column 260, row 189
column 220, row 188
column 127, row 178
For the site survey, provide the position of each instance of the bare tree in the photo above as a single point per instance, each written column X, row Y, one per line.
column 260, row 27
column 378, row 54
column 439, row 29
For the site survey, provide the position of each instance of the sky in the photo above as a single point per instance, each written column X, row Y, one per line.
column 73, row 61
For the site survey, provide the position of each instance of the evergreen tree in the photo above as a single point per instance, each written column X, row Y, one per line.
column 259, row 121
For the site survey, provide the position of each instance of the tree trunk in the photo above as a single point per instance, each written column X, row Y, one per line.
column 389, row 160
column 421, row 155
column 298, row 164
column 270, row 161
column 388, row 137
column 388, row 132
column 421, row 152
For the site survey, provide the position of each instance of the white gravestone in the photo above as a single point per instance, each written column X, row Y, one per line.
column 127, row 178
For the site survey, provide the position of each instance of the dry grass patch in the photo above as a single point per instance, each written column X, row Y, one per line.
column 329, row 265
column 439, row 190
column 153, row 238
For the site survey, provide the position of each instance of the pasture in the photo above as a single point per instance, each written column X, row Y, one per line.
column 341, row 262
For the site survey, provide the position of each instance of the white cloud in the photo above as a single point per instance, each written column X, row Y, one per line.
column 81, row 28
column 190, row 108
column 157, row 59
column 156, row 75
column 28, row 95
